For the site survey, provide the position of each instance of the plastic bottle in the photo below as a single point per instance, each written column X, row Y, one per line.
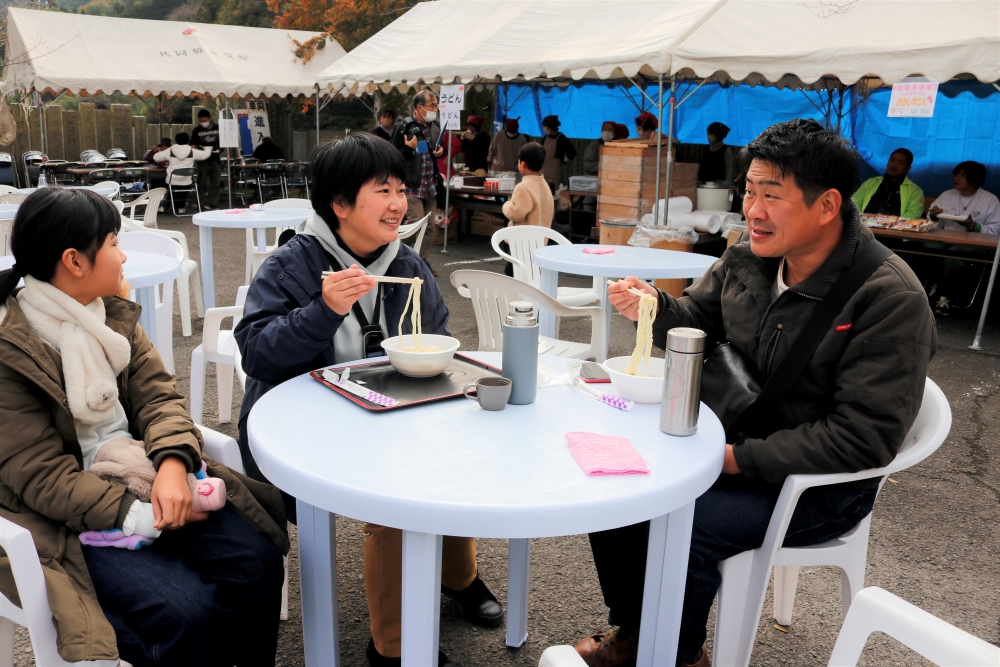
column 42, row 181
column 520, row 352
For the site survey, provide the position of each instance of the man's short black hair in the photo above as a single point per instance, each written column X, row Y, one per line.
column 906, row 153
column 182, row 139
column 387, row 112
column 818, row 159
column 204, row 113
column 532, row 155
column 340, row 168
column 975, row 172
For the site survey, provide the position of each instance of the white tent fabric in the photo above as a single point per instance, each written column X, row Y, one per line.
column 781, row 41
column 60, row 52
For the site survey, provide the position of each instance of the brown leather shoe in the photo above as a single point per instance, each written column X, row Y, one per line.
column 703, row 661
column 614, row 648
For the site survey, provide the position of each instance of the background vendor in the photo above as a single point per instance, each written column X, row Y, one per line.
column 893, row 193
column 558, row 151
column 717, row 160
column 980, row 209
column 475, row 144
column 505, row 146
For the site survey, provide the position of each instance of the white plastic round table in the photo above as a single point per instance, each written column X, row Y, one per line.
column 258, row 220
column 645, row 263
column 450, row 468
column 143, row 271
column 108, row 191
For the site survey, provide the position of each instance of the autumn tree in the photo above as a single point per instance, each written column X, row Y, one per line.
column 349, row 22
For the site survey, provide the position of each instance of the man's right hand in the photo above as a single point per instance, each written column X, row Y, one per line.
column 934, row 211
column 626, row 302
column 342, row 288
column 411, row 142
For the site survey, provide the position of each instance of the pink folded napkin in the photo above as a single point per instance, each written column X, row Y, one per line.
column 235, row 211
column 598, row 249
column 605, row 454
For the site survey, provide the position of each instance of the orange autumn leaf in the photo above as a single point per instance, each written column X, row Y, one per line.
column 349, row 22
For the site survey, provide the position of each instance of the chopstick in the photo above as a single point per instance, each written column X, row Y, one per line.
column 631, row 290
column 383, row 279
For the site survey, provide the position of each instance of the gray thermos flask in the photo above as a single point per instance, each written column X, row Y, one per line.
column 682, row 381
column 520, row 352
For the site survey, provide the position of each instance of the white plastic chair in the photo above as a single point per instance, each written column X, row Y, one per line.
column 255, row 258
column 419, row 228
column 492, row 292
column 6, row 226
column 190, row 271
column 7, row 189
column 523, row 241
column 876, row 610
column 34, row 612
column 12, row 198
column 150, row 241
column 218, row 347
column 561, row 656
column 745, row 576
column 151, row 203
column 226, row 451
column 107, row 187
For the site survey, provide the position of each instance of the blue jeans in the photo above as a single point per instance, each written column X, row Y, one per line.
column 207, row 594
column 730, row 518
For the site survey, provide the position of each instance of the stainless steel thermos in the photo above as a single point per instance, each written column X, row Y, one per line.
column 682, row 381
column 520, row 352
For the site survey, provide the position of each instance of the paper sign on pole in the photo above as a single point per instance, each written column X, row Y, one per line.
column 450, row 104
column 913, row 100
column 229, row 133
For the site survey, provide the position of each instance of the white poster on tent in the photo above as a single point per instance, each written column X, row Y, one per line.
column 257, row 122
column 450, row 104
column 229, row 133
column 911, row 100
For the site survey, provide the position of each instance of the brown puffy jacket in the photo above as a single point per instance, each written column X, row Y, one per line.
column 44, row 488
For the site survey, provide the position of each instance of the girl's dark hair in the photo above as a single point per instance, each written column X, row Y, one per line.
column 48, row 222
column 341, row 168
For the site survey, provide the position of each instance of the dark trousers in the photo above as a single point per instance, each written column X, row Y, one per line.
column 252, row 470
column 730, row 518
column 209, row 181
column 208, row 594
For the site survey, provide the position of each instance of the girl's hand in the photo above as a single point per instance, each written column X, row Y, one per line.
column 342, row 288
column 626, row 302
column 171, row 497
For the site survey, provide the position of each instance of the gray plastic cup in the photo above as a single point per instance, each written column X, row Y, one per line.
column 492, row 393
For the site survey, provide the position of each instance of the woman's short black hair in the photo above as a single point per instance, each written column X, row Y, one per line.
column 975, row 172
column 818, row 159
column 387, row 112
column 182, row 138
column 532, row 155
column 340, row 168
column 720, row 130
column 48, row 222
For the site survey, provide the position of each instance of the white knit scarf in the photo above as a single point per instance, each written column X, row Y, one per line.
column 92, row 354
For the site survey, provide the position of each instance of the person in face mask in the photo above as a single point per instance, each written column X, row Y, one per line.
column 475, row 144
column 592, row 156
column 504, row 147
column 558, row 150
column 206, row 135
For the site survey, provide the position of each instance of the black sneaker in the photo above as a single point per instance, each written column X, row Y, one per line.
column 375, row 659
column 478, row 604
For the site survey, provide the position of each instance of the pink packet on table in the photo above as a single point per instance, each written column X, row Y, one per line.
column 598, row 249
column 605, row 454
column 236, row 211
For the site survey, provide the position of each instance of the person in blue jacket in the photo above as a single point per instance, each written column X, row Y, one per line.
column 295, row 321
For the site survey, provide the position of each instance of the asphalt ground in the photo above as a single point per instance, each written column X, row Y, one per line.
column 934, row 535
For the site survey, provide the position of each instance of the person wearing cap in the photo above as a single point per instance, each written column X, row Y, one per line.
column 592, row 156
column 621, row 131
column 157, row 148
column 716, row 160
column 558, row 151
column 475, row 144
column 645, row 125
column 504, row 147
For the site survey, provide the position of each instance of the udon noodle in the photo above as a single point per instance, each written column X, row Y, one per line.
column 415, row 321
column 643, row 332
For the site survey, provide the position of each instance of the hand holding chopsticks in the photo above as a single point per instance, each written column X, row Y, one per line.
column 630, row 290
column 382, row 279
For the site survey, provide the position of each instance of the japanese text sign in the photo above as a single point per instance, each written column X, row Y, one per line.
column 451, row 103
column 913, row 100
column 229, row 133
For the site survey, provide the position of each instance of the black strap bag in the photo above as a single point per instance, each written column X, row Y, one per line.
column 371, row 332
column 730, row 383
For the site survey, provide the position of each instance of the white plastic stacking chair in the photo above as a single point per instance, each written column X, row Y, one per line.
column 745, row 576
column 523, row 240
column 107, row 188
column 492, row 292
column 419, row 228
column 190, row 271
column 6, row 226
column 226, row 451
column 34, row 612
column 561, row 656
column 255, row 258
column 217, row 347
column 7, row 189
column 12, row 198
column 150, row 241
column 876, row 610
column 151, row 203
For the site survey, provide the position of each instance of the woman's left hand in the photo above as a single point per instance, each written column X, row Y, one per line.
column 171, row 496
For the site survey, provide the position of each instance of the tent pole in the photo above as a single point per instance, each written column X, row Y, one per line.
column 229, row 165
column 670, row 147
column 317, row 114
column 659, row 125
column 447, row 195
column 41, row 121
column 986, row 304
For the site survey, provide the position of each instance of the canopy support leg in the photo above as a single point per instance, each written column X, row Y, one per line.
column 317, row 114
column 986, row 304
column 229, row 164
column 447, row 199
column 670, row 146
column 659, row 125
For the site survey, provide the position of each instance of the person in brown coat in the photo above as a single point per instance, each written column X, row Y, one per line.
column 76, row 372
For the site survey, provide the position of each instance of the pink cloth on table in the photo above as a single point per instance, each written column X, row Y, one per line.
column 598, row 249
column 605, row 454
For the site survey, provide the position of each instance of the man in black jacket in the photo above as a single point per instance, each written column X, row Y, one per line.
column 206, row 135
column 849, row 410
column 416, row 138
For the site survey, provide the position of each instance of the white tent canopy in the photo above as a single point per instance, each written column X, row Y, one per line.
column 504, row 40
column 80, row 53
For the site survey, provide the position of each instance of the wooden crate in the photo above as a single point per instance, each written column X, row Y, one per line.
column 482, row 223
column 627, row 180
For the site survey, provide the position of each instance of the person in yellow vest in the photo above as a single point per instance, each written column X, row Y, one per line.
column 893, row 193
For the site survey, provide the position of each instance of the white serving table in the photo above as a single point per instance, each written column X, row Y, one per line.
column 260, row 221
column 450, row 468
column 644, row 263
column 143, row 271
column 109, row 191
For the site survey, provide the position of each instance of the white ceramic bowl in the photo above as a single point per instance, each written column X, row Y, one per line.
column 633, row 387
column 421, row 364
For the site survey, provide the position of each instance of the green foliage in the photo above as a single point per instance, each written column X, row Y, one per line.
column 251, row 13
column 133, row 9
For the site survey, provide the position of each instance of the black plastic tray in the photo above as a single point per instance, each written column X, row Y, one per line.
column 381, row 377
